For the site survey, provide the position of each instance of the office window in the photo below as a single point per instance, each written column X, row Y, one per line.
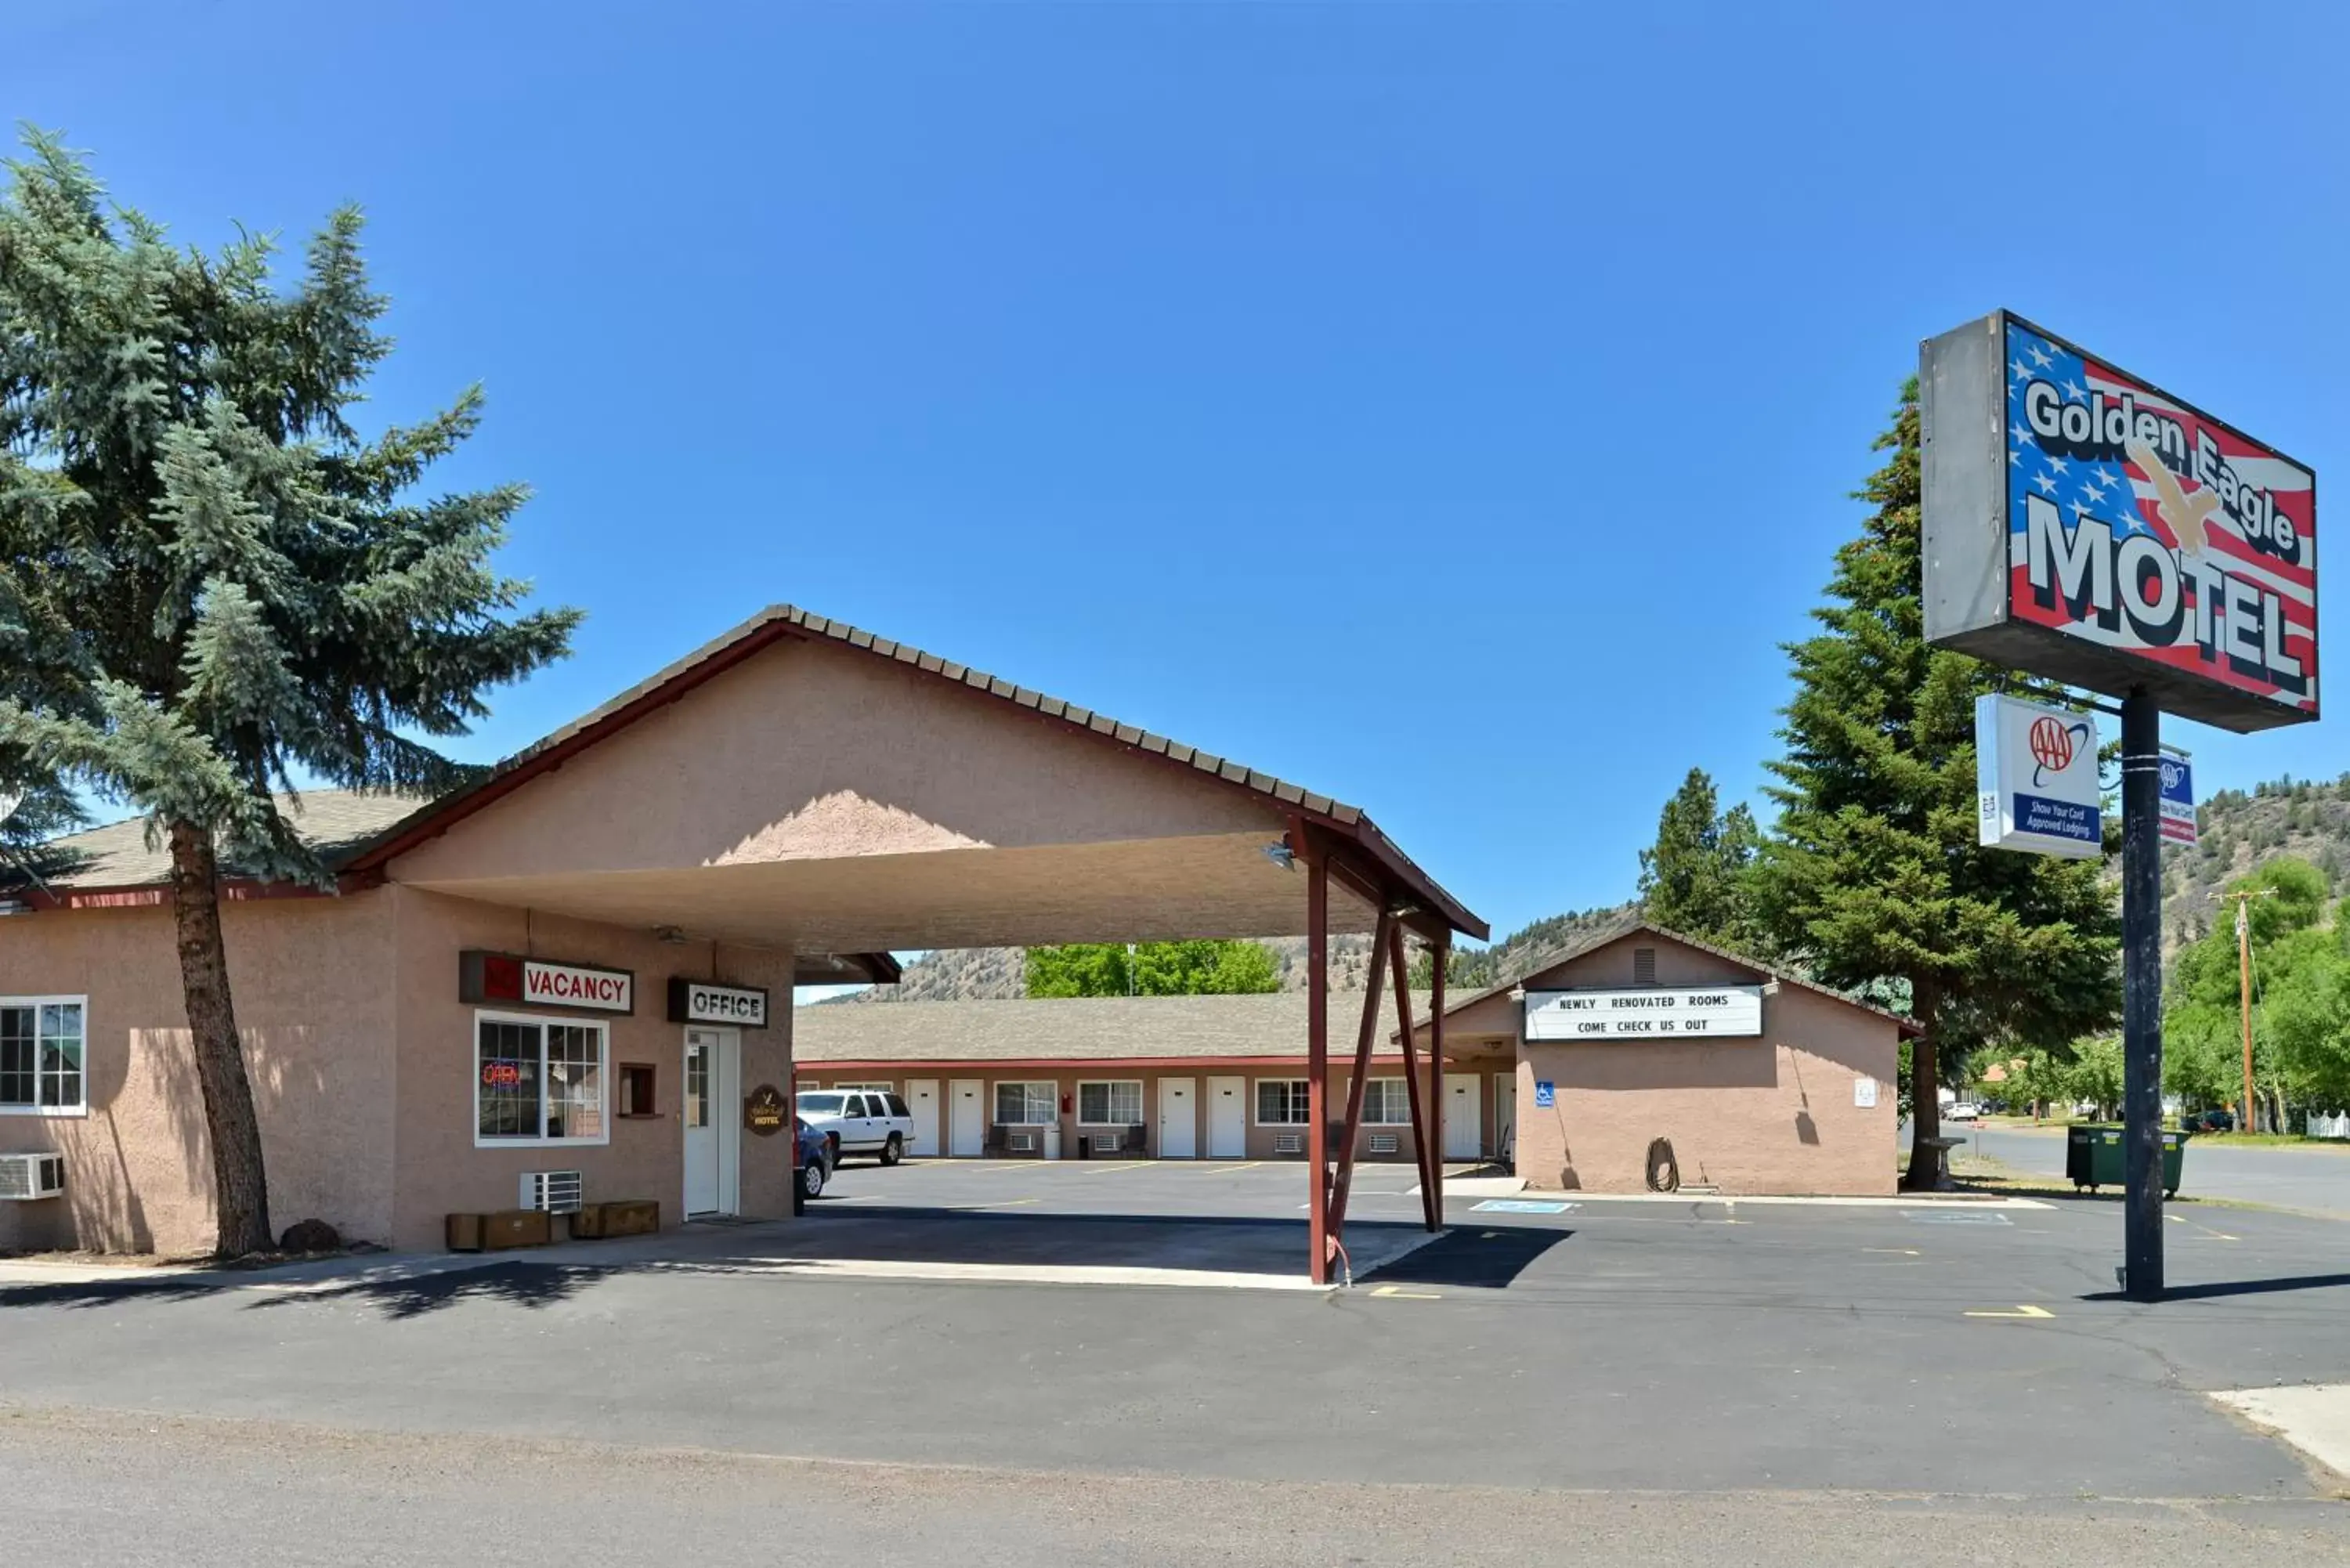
column 538, row 1080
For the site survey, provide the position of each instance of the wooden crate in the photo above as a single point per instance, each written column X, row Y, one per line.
column 631, row 1217
column 588, row 1222
column 495, row 1233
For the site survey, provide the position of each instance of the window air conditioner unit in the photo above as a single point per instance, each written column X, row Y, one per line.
column 1289, row 1143
column 1020, row 1142
column 557, row 1191
column 1383, row 1143
column 1109, row 1142
column 25, row 1177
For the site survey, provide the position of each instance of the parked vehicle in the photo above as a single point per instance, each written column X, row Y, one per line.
column 2217, row 1120
column 1964, row 1111
column 815, row 1162
column 860, row 1121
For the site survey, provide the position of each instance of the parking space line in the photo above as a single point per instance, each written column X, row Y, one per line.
column 1007, row 1203
column 1228, row 1169
column 2021, row 1311
column 1397, row 1293
column 2199, row 1225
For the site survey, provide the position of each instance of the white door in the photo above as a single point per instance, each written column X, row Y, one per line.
column 922, row 1100
column 1227, row 1118
column 713, row 1138
column 1464, row 1137
column 966, row 1118
column 1179, row 1119
column 1506, row 1114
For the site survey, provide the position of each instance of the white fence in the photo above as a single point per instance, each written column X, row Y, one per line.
column 2334, row 1126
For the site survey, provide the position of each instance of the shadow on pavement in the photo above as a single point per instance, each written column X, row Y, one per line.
column 1231, row 1243
column 1482, row 1260
column 2234, row 1288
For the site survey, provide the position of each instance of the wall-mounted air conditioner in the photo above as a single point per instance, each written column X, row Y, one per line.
column 557, row 1191
column 25, row 1177
column 1289, row 1143
column 1020, row 1143
column 1383, row 1143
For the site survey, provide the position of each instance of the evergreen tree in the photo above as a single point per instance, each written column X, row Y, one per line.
column 1873, row 879
column 212, row 586
column 1694, row 878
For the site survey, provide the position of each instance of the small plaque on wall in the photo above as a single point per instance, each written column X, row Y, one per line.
column 764, row 1110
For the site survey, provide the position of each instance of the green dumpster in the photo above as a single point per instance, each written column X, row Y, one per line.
column 2094, row 1158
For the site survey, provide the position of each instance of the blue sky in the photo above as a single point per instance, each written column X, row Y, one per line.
column 1449, row 407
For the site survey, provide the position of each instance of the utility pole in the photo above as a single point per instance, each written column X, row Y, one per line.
column 2142, row 994
column 2243, row 902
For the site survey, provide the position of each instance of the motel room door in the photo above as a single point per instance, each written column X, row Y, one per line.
column 1505, row 1114
column 1464, row 1134
column 922, row 1100
column 966, row 1120
column 1178, row 1119
column 1227, row 1118
column 713, row 1146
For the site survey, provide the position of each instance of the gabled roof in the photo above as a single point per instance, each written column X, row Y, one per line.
column 1634, row 923
column 335, row 823
column 786, row 622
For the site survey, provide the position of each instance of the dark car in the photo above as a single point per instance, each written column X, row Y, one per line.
column 813, row 1165
column 2215, row 1120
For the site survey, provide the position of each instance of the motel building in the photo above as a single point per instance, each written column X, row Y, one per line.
column 1756, row 1083
column 579, row 966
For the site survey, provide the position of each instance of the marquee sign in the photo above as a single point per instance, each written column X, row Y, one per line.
column 535, row 982
column 705, row 1001
column 1699, row 1011
column 2082, row 523
column 2036, row 779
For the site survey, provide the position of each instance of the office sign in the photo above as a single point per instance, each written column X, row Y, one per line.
column 535, row 982
column 2082, row 523
column 1646, row 1014
column 705, row 1001
column 2179, row 824
column 2036, row 779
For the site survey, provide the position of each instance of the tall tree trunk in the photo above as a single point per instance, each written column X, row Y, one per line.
column 1925, row 1172
column 240, row 1186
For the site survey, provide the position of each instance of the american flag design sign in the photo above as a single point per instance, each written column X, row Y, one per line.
column 2139, row 522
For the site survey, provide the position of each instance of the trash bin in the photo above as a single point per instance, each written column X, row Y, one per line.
column 1085, row 1146
column 2095, row 1157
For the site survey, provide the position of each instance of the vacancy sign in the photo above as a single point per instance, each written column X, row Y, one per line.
column 1701, row 1012
column 2036, row 779
column 508, row 977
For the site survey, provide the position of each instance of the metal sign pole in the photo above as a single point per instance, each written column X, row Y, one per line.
column 2142, row 994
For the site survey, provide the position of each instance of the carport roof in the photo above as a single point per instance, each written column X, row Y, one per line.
column 780, row 622
column 1079, row 1029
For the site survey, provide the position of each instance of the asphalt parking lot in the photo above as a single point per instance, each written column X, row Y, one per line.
column 1704, row 1349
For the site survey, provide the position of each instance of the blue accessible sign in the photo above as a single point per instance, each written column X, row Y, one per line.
column 1545, row 1094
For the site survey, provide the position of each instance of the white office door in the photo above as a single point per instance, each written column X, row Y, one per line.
column 1227, row 1118
column 1506, row 1114
column 1179, row 1119
column 1463, row 1137
column 712, row 1150
column 966, row 1118
column 922, row 1102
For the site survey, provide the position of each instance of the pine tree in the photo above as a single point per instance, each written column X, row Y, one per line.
column 1873, row 877
column 211, row 586
column 1694, row 878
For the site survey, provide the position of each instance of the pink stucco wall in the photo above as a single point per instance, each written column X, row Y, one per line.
column 1774, row 1114
column 362, row 1057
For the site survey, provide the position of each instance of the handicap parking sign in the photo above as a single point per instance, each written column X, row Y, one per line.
column 1545, row 1094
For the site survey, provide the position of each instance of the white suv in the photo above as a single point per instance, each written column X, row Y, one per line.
column 859, row 1121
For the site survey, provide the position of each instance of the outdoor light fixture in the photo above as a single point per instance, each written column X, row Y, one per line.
column 1769, row 988
column 1282, row 854
column 673, row 935
column 1517, row 993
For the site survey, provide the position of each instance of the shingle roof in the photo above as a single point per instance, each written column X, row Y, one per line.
column 1087, row 1029
column 335, row 823
column 779, row 621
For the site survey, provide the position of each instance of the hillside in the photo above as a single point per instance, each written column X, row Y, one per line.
column 964, row 974
column 2239, row 833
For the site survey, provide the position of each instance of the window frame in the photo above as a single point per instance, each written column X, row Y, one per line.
column 1305, row 1095
column 1085, row 1083
column 1052, row 1098
column 80, row 1108
column 1401, row 1107
column 541, row 1021
column 862, row 1087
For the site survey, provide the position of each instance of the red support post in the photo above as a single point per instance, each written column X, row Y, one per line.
column 1435, row 1183
column 1428, row 1205
column 1345, row 1176
column 1317, row 1057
